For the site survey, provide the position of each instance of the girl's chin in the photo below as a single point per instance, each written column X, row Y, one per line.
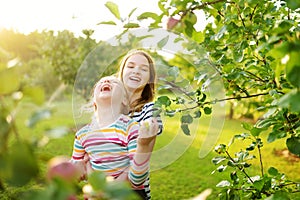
column 133, row 86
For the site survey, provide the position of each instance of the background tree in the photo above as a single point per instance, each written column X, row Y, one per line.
column 254, row 46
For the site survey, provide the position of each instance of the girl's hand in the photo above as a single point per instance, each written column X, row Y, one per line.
column 81, row 166
column 88, row 165
column 148, row 131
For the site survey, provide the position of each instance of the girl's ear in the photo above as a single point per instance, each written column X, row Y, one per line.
column 95, row 106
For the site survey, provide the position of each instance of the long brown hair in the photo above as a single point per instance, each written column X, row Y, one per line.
column 149, row 89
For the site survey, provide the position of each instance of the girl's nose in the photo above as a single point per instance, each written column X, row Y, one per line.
column 136, row 70
column 106, row 81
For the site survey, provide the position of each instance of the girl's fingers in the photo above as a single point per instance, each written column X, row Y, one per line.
column 148, row 128
column 153, row 126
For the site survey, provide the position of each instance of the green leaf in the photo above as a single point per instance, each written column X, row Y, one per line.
column 221, row 148
column 119, row 190
column 293, row 4
column 231, row 163
column 251, row 147
column 259, row 184
column 234, row 177
column 217, row 160
column 157, row 112
column 131, row 25
column 276, row 134
column 185, row 129
column 131, row 12
column 107, row 23
column 290, row 100
column 279, row 195
column 283, row 27
column 163, row 42
column 178, row 39
column 170, row 113
column 186, row 119
column 221, row 32
column 293, row 145
column 221, row 168
column 197, row 114
column 113, row 9
column 147, row 15
column 189, row 29
column 273, row 171
column 198, row 36
column 22, row 163
column 207, row 110
column 256, row 131
column 293, row 68
column 203, row 98
column 10, row 81
column 164, row 100
column 97, row 179
column 247, row 126
column 223, row 183
column 265, row 123
column 238, row 53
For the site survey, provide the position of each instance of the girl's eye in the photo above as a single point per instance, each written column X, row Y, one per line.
column 145, row 69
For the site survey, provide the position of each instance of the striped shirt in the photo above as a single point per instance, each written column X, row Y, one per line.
column 146, row 113
column 111, row 149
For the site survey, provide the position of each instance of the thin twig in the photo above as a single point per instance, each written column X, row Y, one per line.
column 240, row 168
column 260, row 160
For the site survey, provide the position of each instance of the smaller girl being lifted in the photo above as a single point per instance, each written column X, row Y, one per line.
column 114, row 142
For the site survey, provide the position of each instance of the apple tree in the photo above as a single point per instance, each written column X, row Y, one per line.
column 254, row 47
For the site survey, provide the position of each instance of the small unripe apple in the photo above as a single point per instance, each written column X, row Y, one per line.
column 172, row 23
column 61, row 167
column 147, row 125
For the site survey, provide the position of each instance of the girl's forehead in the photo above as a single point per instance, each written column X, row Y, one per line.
column 111, row 78
column 137, row 58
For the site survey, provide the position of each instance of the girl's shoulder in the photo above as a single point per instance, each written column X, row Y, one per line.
column 148, row 105
column 84, row 129
column 126, row 120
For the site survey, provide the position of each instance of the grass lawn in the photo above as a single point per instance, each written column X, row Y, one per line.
column 177, row 170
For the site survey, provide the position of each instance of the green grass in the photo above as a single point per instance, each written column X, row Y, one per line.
column 177, row 170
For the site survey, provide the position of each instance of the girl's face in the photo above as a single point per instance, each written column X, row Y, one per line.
column 109, row 87
column 136, row 72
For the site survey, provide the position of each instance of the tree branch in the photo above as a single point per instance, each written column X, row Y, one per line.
column 260, row 160
column 199, row 7
column 251, row 15
column 221, row 100
column 240, row 168
column 234, row 98
column 179, row 89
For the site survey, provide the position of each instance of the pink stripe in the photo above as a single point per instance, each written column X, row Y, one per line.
column 109, row 159
column 77, row 157
column 97, row 141
column 143, row 163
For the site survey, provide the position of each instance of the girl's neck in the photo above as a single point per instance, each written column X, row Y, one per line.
column 107, row 115
column 134, row 95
